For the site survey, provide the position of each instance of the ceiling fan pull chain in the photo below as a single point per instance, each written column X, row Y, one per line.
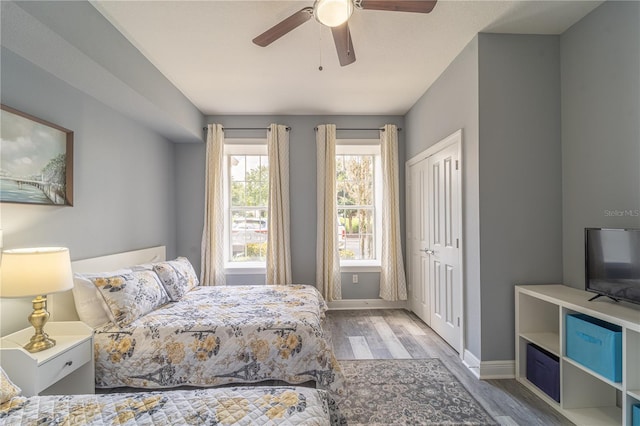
column 320, row 46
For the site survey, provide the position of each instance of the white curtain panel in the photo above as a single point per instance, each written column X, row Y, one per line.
column 327, row 255
column 212, row 250
column 278, row 237
column 393, row 285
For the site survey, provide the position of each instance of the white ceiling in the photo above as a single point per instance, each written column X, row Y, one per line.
column 204, row 48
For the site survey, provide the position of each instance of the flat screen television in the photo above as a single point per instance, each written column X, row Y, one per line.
column 612, row 263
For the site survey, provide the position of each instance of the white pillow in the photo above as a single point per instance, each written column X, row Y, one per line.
column 91, row 306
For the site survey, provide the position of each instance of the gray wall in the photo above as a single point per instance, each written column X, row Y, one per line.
column 190, row 160
column 74, row 42
column 124, row 174
column 451, row 103
column 503, row 91
column 600, row 58
column 520, row 177
column 125, row 115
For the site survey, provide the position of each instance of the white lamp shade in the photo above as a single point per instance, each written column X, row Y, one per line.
column 35, row 271
column 333, row 13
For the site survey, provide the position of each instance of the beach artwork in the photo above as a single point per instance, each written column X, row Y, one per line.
column 36, row 160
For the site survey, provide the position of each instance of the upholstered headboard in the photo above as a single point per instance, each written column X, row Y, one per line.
column 61, row 305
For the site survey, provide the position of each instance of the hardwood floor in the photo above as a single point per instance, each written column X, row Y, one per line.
column 396, row 333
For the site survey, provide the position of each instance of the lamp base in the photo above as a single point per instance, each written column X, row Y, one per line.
column 39, row 343
column 38, row 318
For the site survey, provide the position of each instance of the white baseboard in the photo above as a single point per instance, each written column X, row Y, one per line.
column 485, row 370
column 471, row 362
column 344, row 304
column 497, row 370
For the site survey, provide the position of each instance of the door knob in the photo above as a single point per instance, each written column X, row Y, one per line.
column 427, row 251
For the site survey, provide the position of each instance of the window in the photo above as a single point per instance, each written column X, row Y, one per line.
column 358, row 189
column 246, row 202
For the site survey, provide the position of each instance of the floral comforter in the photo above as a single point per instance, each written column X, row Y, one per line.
column 220, row 335
column 242, row 406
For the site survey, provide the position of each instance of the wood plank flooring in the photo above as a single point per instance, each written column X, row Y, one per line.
column 396, row 333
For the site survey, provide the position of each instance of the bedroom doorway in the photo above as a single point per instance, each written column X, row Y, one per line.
column 434, row 243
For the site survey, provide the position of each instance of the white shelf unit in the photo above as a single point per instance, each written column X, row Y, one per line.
column 586, row 398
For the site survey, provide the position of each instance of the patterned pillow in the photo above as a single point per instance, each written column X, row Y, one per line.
column 7, row 388
column 131, row 295
column 177, row 276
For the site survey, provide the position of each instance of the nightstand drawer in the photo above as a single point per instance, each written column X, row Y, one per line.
column 64, row 364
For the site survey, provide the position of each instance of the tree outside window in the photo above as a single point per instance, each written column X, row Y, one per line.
column 249, row 198
column 355, row 179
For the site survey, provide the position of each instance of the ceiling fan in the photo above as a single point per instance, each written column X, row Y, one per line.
column 335, row 14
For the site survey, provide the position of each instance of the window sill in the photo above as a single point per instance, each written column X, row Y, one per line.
column 245, row 268
column 364, row 266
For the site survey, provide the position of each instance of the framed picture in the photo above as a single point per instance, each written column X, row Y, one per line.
column 36, row 160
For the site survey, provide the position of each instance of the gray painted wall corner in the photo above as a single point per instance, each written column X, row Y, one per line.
column 520, row 177
column 450, row 104
column 74, row 42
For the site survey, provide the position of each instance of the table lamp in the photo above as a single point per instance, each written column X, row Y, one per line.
column 36, row 272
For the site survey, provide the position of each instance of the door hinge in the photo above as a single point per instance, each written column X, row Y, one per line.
column 458, row 321
column 457, row 165
column 457, row 243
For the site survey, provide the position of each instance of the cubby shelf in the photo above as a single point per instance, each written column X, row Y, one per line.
column 547, row 341
column 586, row 397
column 595, row 416
column 593, row 373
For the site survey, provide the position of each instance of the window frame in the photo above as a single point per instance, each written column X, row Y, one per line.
column 366, row 147
column 239, row 146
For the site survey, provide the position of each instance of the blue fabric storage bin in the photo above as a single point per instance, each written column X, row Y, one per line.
column 596, row 344
column 543, row 370
column 635, row 415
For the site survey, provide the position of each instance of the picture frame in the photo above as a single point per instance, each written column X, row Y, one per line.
column 36, row 160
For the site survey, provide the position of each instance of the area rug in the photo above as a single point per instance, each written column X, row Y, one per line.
column 407, row 392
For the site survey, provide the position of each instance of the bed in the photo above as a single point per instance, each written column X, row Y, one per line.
column 237, row 405
column 204, row 336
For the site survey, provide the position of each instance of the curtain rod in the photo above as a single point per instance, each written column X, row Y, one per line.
column 246, row 128
column 337, row 128
column 289, row 128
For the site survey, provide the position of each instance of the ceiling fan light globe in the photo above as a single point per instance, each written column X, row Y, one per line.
column 333, row 13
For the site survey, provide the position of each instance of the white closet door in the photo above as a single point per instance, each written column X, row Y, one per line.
column 434, row 238
column 443, row 211
column 417, row 238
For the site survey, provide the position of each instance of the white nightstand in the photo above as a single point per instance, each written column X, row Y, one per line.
column 65, row 369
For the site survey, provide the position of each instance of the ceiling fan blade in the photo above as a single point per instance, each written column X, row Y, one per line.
column 282, row 28
column 344, row 44
column 416, row 6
